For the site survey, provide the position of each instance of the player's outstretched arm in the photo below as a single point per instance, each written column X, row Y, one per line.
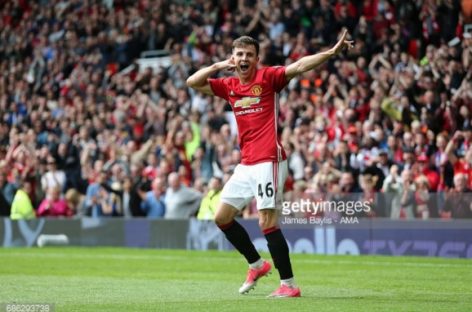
column 310, row 62
column 199, row 80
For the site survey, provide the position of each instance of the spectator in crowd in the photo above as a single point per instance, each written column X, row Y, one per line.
column 22, row 207
column 68, row 160
column 127, row 197
column 424, row 169
column 348, row 184
column 108, row 202
column 70, row 90
column 53, row 205
column 53, row 177
column 459, row 154
column 295, row 162
column 75, row 201
column 98, row 201
column 133, row 186
column 210, row 200
column 459, row 201
column 370, row 196
column 153, row 204
column 180, row 200
column 399, row 190
column 5, row 206
column 7, row 192
column 422, row 197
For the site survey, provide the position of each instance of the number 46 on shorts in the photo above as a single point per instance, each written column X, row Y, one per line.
column 269, row 190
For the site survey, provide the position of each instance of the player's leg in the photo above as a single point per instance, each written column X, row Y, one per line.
column 235, row 195
column 235, row 233
column 271, row 179
column 278, row 248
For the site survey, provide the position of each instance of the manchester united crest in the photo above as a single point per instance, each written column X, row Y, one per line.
column 256, row 90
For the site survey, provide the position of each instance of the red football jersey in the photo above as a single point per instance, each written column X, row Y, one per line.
column 256, row 108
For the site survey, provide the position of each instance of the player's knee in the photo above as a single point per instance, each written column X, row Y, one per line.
column 221, row 219
column 266, row 224
column 267, row 220
column 225, row 214
column 262, row 224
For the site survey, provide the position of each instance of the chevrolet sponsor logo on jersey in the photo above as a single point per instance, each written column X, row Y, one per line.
column 247, row 102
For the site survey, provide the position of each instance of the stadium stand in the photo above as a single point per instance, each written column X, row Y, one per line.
column 79, row 111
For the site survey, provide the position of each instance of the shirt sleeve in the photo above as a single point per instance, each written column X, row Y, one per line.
column 219, row 87
column 42, row 208
column 276, row 75
column 144, row 205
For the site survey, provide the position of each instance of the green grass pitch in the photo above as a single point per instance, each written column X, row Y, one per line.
column 118, row 279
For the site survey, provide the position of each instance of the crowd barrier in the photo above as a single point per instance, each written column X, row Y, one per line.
column 433, row 238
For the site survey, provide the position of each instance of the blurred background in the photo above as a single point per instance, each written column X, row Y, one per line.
column 96, row 119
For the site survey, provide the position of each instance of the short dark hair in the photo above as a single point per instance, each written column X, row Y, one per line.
column 244, row 41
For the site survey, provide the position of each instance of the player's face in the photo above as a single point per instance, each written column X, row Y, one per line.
column 245, row 58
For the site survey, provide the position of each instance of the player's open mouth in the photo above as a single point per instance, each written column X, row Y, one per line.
column 244, row 67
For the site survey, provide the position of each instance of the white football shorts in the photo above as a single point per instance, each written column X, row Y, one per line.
column 264, row 181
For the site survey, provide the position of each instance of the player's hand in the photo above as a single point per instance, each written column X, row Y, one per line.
column 343, row 43
column 227, row 65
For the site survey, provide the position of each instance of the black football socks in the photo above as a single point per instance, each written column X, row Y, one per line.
column 279, row 251
column 238, row 236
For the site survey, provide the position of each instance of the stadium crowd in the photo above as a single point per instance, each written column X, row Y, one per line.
column 389, row 122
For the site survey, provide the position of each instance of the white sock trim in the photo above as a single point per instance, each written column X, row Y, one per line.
column 288, row 282
column 257, row 264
